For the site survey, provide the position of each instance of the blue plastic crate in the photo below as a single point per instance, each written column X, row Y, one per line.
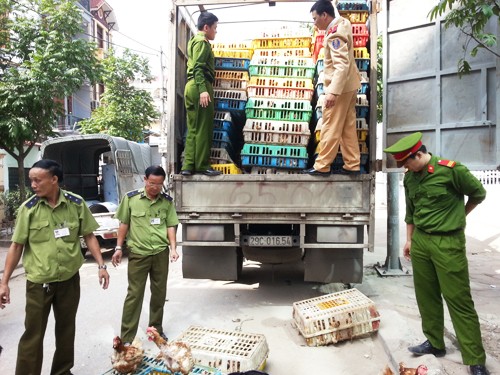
column 318, row 113
column 319, row 89
column 320, row 66
column 231, row 64
column 362, row 111
column 352, row 5
column 221, row 135
column 230, row 104
column 364, row 88
column 363, row 64
column 227, row 126
column 293, row 157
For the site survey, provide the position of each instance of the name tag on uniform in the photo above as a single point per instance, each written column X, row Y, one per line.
column 155, row 221
column 61, row 232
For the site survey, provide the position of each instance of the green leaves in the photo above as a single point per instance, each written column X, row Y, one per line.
column 472, row 18
column 125, row 111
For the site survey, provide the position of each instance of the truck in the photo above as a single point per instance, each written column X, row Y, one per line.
column 328, row 223
column 101, row 168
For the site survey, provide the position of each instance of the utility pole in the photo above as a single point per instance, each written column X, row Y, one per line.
column 162, row 147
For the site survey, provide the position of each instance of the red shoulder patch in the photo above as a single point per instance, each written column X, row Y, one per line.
column 447, row 163
column 332, row 30
column 430, row 168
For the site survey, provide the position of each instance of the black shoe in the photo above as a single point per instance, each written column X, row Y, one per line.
column 187, row 172
column 210, row 172
column 314, row 172
column 479, row 370
column 344, row 171
column 427, row 348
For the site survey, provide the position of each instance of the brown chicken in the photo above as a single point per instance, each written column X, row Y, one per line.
column 126, row 359
column 176, row 354
column 420, row 370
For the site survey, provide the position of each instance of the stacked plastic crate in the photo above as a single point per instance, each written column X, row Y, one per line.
column 357, row 13
column 230, row 92
column 278, row 110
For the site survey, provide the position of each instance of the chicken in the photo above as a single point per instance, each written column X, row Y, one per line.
column 420, row 370
column 126, row 359
column 176, row 354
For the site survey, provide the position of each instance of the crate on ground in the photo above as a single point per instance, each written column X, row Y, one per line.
column 335, row 317
column 228, row 351
column 294, row 157
column 220, row 156
column 227, row 63
column 227, row 168
column 276, row 132
column 286, row 52
column 355, row 17
column 234, row 53
column 150, row 366
column 272, row 43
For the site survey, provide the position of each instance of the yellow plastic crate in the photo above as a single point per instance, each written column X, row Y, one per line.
column 294, row 42
column 234, row 53
column 361, row 53
column 227, row 168
column 336, row 317
column 355, row 17
column 233, row 45
column 362, row 134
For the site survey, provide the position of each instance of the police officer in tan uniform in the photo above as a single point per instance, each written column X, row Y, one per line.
column 435, row 221
column 342, row 81
column 149, row 221
column 48, row 228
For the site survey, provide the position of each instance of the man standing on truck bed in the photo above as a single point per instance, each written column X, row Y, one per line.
column 199, row 98
column 148, row 217
column 435, row 240
column 342, row 81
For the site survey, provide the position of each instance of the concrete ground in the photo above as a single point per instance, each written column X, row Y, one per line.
column 261, row 303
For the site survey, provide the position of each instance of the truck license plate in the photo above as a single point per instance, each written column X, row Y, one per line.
column 270, row 241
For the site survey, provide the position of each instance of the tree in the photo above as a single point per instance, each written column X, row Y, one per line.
column 471, row 17
column 42, row 60
column 125, row 111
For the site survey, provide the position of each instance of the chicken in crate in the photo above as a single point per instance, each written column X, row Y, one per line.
column 335, row 317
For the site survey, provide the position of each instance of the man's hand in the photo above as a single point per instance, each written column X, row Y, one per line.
column 330, row 100
column 174, row 255
column 4, row 295
column 104, row 278
column 205, row 99
column 407, row 250
column 117, row 258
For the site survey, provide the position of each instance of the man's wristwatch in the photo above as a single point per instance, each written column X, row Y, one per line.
column 103, row 267
column 118, row 248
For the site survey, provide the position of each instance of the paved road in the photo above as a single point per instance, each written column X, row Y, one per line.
column 261, row 303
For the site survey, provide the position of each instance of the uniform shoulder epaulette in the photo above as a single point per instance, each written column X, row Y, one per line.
column 447, row 163
column 168, row 197
column 73, row 198
column 32, row 201
column 133, row 193
column 332, row 30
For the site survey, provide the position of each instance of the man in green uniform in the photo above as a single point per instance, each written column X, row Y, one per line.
column 198, row 98
column 48, row 228
column 149, row 219
column 435, row 241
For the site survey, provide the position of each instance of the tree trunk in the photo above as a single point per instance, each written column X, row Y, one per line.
column 20, row 173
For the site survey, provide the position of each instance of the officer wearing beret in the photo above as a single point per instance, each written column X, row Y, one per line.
column 435, row 243
column 48, row 228
column 342, row 81
column 199, row 98
column 148, row 217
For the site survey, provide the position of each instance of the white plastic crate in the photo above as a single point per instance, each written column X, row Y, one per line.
column 262, row 170
column 222, row 115
column 220, row 156
column 336, row 317
column 229, row 351
column 276, row 132
column 230, row 94
column 293, row 61
column 289, row 52
column 361, row 123
column 362, row 100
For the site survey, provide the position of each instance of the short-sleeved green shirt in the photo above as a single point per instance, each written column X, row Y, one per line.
column 148, row 221
column 201, row 61
column 46, row 258
column 435, row 196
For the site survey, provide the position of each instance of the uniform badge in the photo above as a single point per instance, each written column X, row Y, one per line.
column 336, row 44
column 430, row 168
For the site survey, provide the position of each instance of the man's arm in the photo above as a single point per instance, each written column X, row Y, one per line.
column 95, row 250
column 13, row 258
column 122, row 234
column 172, row 238
column 407, row 247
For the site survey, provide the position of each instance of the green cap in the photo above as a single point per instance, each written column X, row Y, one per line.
column 405, row 147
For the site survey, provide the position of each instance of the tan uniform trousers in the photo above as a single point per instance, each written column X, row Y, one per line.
column 339, row 129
